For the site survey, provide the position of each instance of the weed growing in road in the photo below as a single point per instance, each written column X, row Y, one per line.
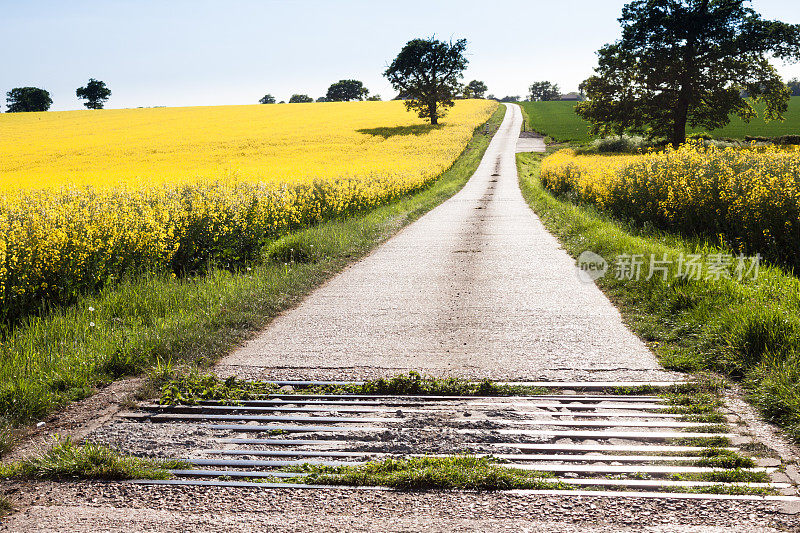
column 711, row 428
column 194, row 387
column 734, row 475
column 709, row 418
column 732, row 490
column 721, row 458
column 715, row 441
column 429, row 473
column 413, row 383
column 68, row 460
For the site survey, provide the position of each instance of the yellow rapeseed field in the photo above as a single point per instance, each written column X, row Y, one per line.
column 88, row 196
column 747, row 198
column 261, row 143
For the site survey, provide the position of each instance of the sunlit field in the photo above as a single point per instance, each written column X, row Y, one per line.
column 90, row 196
column 558, row 120
column 285, row 143
column 749, row 199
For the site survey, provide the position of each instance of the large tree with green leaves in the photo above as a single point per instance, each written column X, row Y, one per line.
column 542, row 91
column 475, row 89
column 427, row 73
column 300, row 99
column 346, row 90
column 688, row 62
column 26, row 99
column 95, row 93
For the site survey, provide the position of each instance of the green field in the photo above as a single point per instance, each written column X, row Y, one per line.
column 559, row 121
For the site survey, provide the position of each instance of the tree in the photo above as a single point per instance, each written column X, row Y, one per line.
column 322, row 99
column 26, row 99
column 475, row 89
column 794, row 86
column 686, row 62
column 510, row 99
column 374, row 98
column 541, row 91
column 267, row 99
column 427, row 73
column 582, row 90
column 95, row 93
column 346, row 90
column 300, row 99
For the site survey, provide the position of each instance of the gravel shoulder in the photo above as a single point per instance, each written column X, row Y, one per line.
column 88, row 507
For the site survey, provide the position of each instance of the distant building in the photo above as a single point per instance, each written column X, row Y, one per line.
column 570, row 97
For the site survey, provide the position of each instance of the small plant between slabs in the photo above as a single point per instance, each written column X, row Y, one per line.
column 722, row 458
column 461, row 472
column 193, row 387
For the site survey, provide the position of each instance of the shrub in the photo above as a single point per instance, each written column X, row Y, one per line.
column 623, row 144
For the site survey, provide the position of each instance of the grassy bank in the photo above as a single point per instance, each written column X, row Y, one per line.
column 66, row 460
column 749, row 330
column 559, row 121
column 159, row 320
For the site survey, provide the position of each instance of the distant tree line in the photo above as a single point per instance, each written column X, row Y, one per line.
column 794, row 86
column 340, row 91
column 542, row 91
column 32, row 99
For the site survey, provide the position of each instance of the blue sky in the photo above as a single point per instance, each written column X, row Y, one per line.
column 209, row 52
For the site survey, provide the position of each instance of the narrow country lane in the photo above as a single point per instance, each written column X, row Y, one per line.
column 476, row 288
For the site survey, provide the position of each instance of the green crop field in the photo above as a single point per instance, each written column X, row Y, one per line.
column 559, row 121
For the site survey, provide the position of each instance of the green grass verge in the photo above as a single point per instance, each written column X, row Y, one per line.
column 127, row 329
column 463, row 472
column 559, row 121
column 749, row 330
column 67, row 460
